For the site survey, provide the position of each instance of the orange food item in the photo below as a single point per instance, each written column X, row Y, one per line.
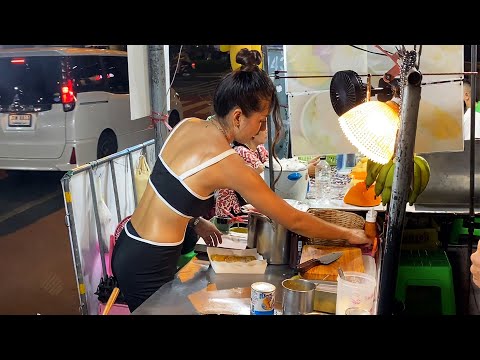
column 358, row 175
column 358, row 195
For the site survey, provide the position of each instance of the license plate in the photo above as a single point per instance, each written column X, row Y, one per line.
column 23, row 120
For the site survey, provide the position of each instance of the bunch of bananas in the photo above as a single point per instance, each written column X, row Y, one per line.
column 382, row 176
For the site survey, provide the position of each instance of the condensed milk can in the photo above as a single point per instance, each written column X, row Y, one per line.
column 262, row 298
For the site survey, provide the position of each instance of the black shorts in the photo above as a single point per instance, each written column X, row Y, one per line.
column 141, row 267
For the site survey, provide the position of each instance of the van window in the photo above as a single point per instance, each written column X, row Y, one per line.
column 116, row 68
column 87, row 73
column 29, row 82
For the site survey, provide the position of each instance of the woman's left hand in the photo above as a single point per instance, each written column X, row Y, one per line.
column 208, row 232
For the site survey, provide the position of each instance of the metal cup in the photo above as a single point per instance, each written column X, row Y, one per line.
column 298, row 296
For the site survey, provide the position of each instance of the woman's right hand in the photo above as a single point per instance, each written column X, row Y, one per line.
column 475, row 268
column 358, row 237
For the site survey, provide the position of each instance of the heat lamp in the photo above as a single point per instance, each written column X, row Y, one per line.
column 371, row 126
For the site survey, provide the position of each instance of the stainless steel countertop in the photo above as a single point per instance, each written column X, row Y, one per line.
column 197, row 289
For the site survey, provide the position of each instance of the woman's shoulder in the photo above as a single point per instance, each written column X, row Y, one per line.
column 194, row 120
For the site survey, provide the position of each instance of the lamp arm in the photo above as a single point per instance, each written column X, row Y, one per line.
column 394, row 71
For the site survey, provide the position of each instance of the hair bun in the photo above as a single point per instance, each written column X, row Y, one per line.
column 248, row 59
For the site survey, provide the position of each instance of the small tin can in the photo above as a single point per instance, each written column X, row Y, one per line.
column 262, row 298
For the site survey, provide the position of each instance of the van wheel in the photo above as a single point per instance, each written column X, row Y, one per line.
column 107, row 144
column 174, row 118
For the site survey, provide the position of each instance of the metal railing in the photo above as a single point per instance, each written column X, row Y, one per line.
column 70, row 219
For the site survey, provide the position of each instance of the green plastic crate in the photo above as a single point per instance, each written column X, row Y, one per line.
column 458, row 230
column 185, row 258
column 430, row 273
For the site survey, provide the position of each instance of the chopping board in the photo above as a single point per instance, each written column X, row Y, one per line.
column 351, row 260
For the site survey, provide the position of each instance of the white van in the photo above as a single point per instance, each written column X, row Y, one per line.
column 63, row 107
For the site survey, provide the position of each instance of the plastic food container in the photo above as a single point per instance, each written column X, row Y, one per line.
column 325, row 298
column 257, row 266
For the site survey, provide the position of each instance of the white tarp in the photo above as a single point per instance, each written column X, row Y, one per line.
column 139, row 80
column 85, row 237
column 314, row 124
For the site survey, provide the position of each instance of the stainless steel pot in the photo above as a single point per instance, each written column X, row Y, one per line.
column 270, row 239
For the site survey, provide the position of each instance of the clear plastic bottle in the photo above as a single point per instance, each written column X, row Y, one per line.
column 323, row 178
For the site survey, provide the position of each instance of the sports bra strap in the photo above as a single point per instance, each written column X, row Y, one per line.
column 207, row 163
column 170, row 135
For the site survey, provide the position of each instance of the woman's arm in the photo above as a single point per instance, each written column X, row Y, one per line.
column 256, row 192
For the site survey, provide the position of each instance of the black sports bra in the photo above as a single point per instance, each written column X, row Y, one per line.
column 173, row 191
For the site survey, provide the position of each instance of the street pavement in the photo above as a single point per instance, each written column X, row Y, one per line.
column 196, row 94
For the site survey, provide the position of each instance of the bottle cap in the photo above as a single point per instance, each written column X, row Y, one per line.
column 371, row 216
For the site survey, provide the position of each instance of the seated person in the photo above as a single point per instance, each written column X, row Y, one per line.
column 227, row 201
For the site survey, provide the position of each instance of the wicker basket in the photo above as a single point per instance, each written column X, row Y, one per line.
column 337, row 217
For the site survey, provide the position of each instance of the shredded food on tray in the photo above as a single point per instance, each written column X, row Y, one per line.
column 232, row 258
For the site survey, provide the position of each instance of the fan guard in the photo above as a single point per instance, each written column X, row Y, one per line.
column 346, row 91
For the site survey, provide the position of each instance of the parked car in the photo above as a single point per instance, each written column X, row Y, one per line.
column 63, row 107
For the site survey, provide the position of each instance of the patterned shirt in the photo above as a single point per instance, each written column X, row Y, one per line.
column 226, row 200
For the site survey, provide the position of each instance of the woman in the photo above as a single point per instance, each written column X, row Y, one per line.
column 227, row 201
column 195, row 160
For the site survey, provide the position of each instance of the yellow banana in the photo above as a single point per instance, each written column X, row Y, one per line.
column 386, row 193
column 387, row 189
column 382, row 176
column 389, row 178
column 425, row 171
column 373, row 169
column 417, row 183
column 370, row 164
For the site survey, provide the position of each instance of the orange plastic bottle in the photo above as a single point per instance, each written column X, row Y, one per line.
column 371, row 224
column 371, row 228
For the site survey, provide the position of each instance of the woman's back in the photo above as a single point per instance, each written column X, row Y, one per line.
column 182, row 181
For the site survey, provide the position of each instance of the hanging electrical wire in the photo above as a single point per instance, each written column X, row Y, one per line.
column 369, row 51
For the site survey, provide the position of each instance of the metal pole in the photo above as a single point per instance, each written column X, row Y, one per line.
column 132, row 176
column 115, row 190
column 400, row 188
column 106, row 159
column 270, row 127
column 70, row 222
column 158, row 91
column 471, row 225
column 97, row 223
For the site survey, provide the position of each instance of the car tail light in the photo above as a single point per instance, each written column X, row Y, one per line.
column 18, row 61
column 193, row 65
column 68, row 96
column 73, row 157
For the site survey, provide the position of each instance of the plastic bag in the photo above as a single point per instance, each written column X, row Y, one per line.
column 104, row 214
column 142, row 173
